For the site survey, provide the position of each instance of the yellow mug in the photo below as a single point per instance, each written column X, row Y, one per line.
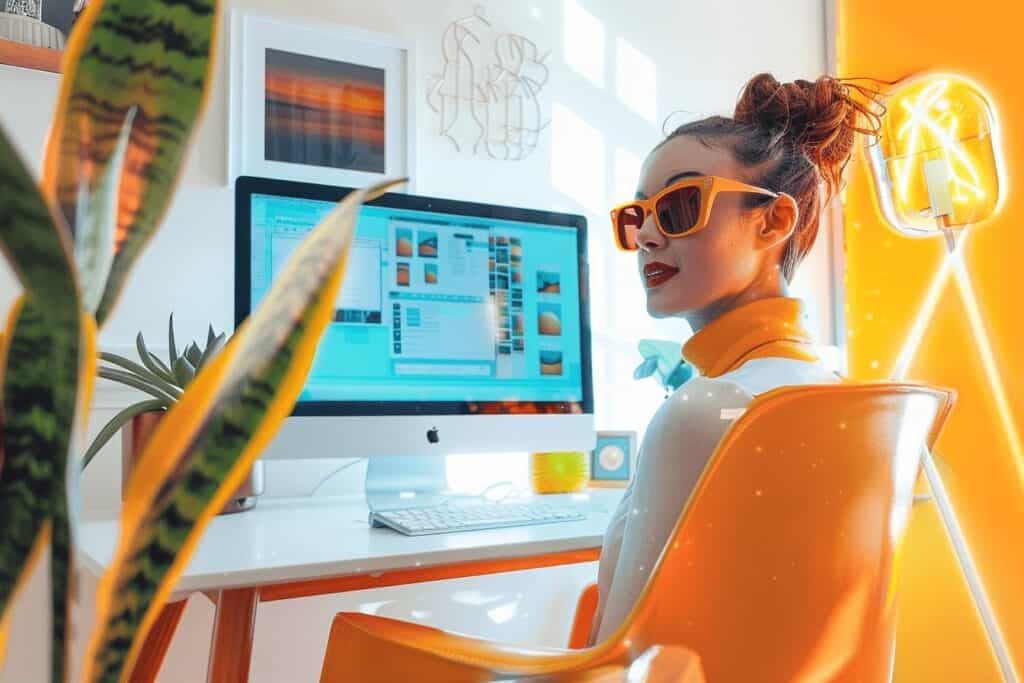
column 560, row 472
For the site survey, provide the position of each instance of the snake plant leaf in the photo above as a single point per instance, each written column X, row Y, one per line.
column 32, row 236
column 94, row 250
column 40, row 397
column 41, row 383
column 153, row 56
column 115, row 424
column 172, row 352
column 203, row 448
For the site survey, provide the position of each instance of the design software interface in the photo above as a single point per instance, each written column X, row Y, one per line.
column 436, row 307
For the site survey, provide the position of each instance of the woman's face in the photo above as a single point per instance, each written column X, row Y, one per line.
column 702, row 275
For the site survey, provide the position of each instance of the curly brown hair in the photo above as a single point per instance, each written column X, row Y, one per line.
column 803, row 134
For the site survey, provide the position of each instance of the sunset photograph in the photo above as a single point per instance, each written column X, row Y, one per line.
column 322, row 112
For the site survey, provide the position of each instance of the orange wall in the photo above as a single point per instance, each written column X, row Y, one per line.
column 940, row 636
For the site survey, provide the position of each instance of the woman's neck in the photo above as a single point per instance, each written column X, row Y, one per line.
column 771, row 286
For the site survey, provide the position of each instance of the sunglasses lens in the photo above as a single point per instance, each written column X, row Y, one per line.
column 627, row 224
column 679, row 210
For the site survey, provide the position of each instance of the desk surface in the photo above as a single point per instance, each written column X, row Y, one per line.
column 284, row 540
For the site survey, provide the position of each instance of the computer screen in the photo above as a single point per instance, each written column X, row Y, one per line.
column 445, row 306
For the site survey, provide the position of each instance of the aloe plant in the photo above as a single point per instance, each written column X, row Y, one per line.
column 165, row 382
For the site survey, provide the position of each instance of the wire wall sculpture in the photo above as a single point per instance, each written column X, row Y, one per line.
column 489, row 96
column 26, row 8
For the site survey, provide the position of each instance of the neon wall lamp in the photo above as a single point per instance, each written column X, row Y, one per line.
column 937, row 170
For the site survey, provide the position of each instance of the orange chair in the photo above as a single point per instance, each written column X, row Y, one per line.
column 583, row 620
column 660, row 664
column 781, row 567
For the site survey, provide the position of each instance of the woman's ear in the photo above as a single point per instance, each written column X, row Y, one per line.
column 780, row 219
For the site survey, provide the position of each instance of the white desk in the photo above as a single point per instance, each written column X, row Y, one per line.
column 287, row 548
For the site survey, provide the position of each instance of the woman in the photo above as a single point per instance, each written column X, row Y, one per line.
column 725, row 211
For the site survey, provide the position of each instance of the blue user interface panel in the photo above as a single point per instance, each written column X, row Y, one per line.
column 436, row 307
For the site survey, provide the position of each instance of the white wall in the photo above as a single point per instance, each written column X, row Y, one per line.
column 618, row 70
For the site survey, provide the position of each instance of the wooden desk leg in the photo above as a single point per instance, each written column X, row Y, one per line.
column 151, row 657
column 233, row 627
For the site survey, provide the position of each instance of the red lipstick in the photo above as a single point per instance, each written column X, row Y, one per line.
column 657, row 273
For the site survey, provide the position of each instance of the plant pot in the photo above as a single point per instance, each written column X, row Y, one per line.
column 136, row 433
column 30, row 31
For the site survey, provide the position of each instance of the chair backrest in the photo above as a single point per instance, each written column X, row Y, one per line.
column 781, row 566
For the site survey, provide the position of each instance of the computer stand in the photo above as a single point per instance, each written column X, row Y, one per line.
column 395, row 482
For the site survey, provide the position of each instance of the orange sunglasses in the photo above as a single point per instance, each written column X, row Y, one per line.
column 680, row 209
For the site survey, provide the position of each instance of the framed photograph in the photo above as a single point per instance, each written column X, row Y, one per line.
column 613, row 460
column 324, row 104
column 33, row 33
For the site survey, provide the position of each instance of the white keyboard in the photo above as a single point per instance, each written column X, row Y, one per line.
column 442, row 519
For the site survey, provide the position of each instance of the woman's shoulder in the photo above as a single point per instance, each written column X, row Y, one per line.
column 701, row 403
column 694, row 418
column 761, row 375
column 703, row 391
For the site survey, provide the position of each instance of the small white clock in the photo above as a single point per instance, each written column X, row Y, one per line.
column 611, row 457
column 613, row 460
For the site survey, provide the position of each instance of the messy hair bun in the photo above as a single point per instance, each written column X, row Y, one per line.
column 800, row 136
column 822, row 118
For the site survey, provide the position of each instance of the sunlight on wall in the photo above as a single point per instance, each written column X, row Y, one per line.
column 584, row 43
column 622, row 402
column 636, row 80
column 626, row 175
column 578, row 159
column 804, row 280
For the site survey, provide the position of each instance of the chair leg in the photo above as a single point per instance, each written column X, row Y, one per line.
column 231, row 650
column 151, row 657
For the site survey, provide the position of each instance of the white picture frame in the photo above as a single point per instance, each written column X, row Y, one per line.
column 340, row 52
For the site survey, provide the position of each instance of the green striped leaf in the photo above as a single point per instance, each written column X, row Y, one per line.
column 39, row 397
column 205, row 445
column 32, row 236
column 40, row 392
column 150, row 57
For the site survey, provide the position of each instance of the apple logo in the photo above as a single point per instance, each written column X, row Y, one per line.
column 433, row 436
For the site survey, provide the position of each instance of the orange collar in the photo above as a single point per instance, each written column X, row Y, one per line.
column 761, row 329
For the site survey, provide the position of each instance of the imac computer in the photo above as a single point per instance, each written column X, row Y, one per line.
column 459, row 328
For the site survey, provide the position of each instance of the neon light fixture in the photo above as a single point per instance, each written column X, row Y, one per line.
column 936, row 163
column 937, row 169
